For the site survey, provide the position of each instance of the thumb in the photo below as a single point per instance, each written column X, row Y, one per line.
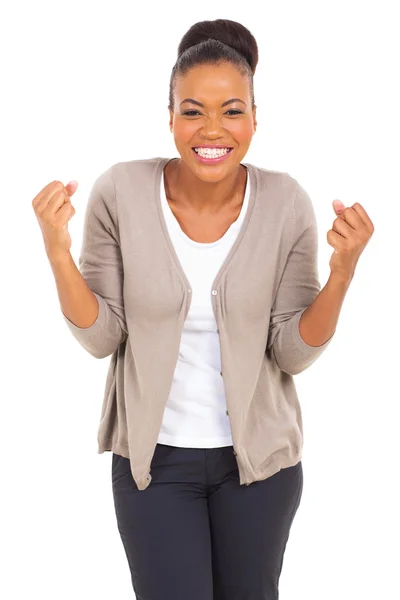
column 71, row 187
column 338, row 207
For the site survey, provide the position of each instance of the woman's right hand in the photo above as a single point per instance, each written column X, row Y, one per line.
column 53, row 210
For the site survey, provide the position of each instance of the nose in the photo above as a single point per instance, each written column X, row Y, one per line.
column 212, row 128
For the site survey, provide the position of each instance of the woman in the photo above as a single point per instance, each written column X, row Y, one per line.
column 198, row 275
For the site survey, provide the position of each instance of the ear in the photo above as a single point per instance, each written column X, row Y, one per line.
column 171, row 119
column 255, row 117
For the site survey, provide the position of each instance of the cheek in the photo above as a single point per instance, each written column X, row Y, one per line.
column 242, row 132
column 184, row 131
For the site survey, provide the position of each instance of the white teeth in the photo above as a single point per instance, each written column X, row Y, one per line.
column 211, row 153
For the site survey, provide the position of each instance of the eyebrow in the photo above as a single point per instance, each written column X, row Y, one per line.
column 223, row 104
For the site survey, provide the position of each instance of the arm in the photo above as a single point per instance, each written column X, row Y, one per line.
column 318, row 322
column 77, row 301
column 100, row 278
column 300, row 288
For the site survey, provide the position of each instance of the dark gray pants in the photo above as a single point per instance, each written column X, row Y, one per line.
column 196, row 534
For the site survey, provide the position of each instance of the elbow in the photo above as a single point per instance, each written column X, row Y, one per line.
column 98, row 354
column 103, row 337
column 296, row 369
column 291, row 353
column 290, row 366
column 104, row 348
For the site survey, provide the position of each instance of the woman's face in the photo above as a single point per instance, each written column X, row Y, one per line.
column 212, row 124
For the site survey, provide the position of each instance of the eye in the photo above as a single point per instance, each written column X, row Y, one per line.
column 190, row 113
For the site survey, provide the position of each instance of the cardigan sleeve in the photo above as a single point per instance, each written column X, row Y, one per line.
column 100, row 264
column 298, row 287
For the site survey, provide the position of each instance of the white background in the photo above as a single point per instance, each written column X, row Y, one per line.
column 85, row 85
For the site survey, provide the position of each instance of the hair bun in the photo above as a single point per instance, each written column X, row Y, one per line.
column 230, row 33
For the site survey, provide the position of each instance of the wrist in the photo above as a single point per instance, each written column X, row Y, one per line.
column 56, row 258
column 342, row 279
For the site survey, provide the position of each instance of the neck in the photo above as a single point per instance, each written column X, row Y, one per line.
column 189, row 191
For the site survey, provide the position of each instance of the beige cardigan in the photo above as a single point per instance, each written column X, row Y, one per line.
column 268, row 279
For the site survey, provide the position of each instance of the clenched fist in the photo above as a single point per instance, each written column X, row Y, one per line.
column 53, row 210
column 350, row 233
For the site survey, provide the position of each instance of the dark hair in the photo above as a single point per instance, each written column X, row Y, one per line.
column 214, row 42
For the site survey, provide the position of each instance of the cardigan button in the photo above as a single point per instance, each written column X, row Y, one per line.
column 214, row 292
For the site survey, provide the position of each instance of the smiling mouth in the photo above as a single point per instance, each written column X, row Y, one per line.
column 229, row 148
column 213, row 158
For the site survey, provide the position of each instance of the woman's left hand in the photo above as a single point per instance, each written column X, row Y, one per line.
column 350, row 233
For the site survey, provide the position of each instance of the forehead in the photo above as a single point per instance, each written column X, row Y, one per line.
column 212, row 80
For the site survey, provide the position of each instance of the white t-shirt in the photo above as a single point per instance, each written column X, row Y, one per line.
column 196, row 414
